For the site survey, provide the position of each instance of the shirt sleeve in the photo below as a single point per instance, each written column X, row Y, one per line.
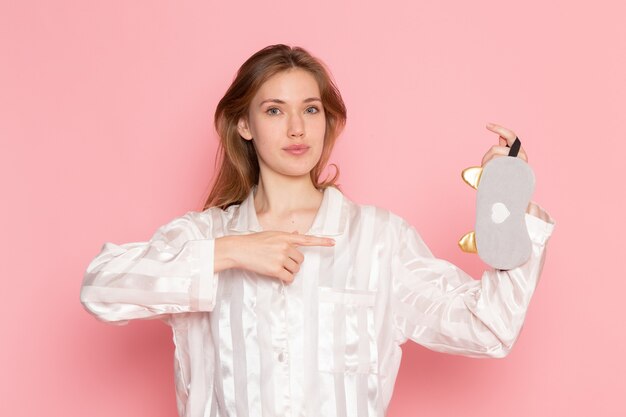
column 173, row 272
column 439, row 306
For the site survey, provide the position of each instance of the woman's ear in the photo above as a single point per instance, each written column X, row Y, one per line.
column 243, row 128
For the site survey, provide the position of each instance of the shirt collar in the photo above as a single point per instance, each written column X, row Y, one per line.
column 330, row 219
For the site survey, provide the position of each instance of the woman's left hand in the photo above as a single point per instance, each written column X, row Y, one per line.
column 507, row 137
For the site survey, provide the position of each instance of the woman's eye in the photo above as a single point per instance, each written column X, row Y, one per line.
column 314, row 108
column 269, row 111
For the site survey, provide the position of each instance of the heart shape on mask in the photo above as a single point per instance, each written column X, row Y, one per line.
column 499, row 212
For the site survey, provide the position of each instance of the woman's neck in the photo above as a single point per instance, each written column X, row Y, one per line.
column 280, row 197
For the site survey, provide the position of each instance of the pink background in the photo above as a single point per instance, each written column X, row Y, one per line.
column 106, row 126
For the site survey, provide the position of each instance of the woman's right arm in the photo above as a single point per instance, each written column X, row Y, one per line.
column 175, row 271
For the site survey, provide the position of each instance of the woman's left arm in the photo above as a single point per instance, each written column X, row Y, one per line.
column 439, row 306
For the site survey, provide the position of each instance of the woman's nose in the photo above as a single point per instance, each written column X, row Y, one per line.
column 296, row 126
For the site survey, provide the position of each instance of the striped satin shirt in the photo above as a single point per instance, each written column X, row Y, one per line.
column 327, row 344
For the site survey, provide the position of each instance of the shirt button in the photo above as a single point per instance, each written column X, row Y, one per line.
column 282, row 356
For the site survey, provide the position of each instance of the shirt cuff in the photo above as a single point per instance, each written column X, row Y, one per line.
column 539, row 223
column 204, row 279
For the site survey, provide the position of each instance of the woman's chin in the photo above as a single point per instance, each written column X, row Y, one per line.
column 295, row 172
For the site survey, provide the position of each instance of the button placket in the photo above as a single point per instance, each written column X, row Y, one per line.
column 281, row 349
column 283, row 355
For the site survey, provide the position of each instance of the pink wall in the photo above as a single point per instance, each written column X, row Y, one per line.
column 106, row 128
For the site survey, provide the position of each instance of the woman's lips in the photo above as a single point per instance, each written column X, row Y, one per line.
column 297, row 150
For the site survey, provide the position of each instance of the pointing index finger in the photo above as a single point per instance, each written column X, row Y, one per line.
column 311, row 240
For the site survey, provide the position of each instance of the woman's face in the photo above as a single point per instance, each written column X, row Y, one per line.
column 286, row 111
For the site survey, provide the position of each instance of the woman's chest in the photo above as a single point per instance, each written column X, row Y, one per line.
column 332, row 304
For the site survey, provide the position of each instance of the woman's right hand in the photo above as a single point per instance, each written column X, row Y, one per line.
column 271, row 253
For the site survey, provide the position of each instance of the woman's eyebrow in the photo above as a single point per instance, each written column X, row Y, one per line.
column 276, row 100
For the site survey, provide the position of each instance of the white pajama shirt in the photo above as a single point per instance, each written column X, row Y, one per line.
column 327, row 344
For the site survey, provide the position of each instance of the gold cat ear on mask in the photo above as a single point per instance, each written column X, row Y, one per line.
column 471, row 176
column 468, row 242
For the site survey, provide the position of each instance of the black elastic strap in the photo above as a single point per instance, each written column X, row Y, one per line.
column 515, row 147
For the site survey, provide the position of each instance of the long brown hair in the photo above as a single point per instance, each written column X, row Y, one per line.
column 238, row 171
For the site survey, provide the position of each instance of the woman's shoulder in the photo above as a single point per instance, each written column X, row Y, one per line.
column 200, row 223
column 377, row 214
column 215, row 217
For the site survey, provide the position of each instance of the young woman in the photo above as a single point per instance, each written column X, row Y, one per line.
column 285, row 297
